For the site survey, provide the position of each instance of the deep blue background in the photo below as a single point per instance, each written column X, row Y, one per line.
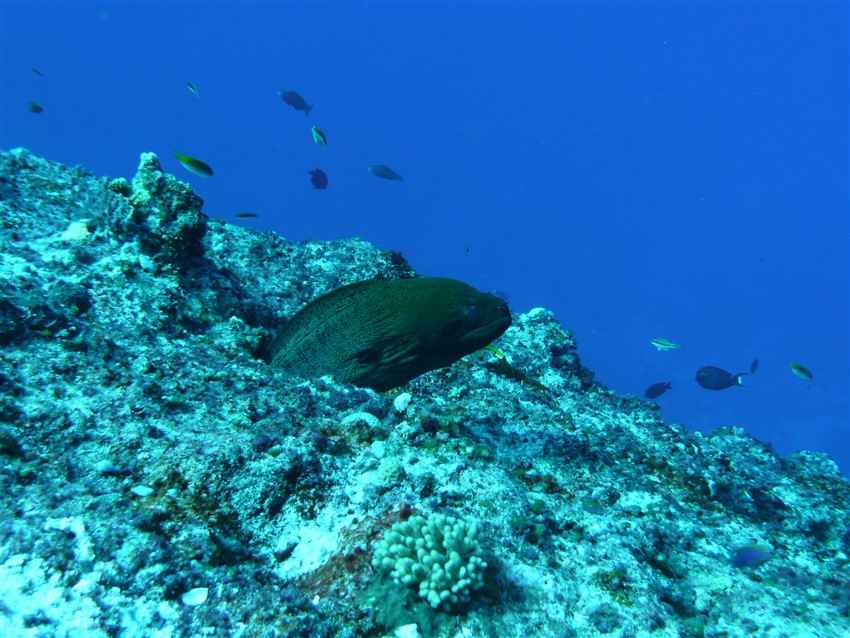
column 643, row 170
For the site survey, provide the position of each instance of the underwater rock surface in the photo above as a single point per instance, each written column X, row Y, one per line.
column 159, row 478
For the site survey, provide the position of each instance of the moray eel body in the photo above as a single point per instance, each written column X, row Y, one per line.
column 382, row 333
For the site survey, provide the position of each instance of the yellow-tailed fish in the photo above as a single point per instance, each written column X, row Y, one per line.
column 664, row 345
column 319, row 136
column 194, row 165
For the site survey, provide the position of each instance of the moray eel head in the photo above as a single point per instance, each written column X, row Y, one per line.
column 383, row 333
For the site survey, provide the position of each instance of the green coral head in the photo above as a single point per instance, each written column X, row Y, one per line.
column 439, row 555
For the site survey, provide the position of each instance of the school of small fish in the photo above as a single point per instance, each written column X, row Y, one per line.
column 293, row 99
column 318, row 177
column 713, row 377
column 708, row 377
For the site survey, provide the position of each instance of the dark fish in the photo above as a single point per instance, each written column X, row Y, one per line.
column 246, row 215
column 193, row 89
column 657, row 389
column 37, row 72
column 385, row 172
column 318, row 178
column 754, row 366
column 295, row 101
column 751, row 556
column 35, row 107
column 194, row 165
column 713, row 378
column 383, row 333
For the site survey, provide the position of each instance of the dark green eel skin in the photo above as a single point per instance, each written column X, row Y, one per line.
column 381, row 334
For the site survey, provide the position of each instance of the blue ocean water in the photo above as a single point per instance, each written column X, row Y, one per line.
column 642, row 169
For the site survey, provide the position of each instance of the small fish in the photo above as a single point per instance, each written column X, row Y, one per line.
column 663, row 345
column 385, row 172
column 754, row 366
column 319, row 136
column 657, row 389
column 496, row 352
column 713, row 378
column 194, row 165
column 37, row 72
column 318, row 178
column 35, row 107
column 246, row 215
column 801, row 371
column 193, row 89
column 753, row 555
column 593, row 505
column 295, row 101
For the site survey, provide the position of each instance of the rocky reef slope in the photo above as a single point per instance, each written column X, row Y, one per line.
column 158, row 478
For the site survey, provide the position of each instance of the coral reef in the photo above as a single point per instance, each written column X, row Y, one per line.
column 159, row 478
column 439, row 555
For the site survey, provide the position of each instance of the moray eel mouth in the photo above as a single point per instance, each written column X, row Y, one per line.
column 499, row 320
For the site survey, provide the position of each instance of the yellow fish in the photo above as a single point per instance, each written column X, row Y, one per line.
column 194, row 165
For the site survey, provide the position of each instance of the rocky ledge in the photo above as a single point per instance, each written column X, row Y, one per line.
column 159, row 478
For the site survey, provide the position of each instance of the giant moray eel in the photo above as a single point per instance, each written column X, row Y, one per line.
column 382, row 333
